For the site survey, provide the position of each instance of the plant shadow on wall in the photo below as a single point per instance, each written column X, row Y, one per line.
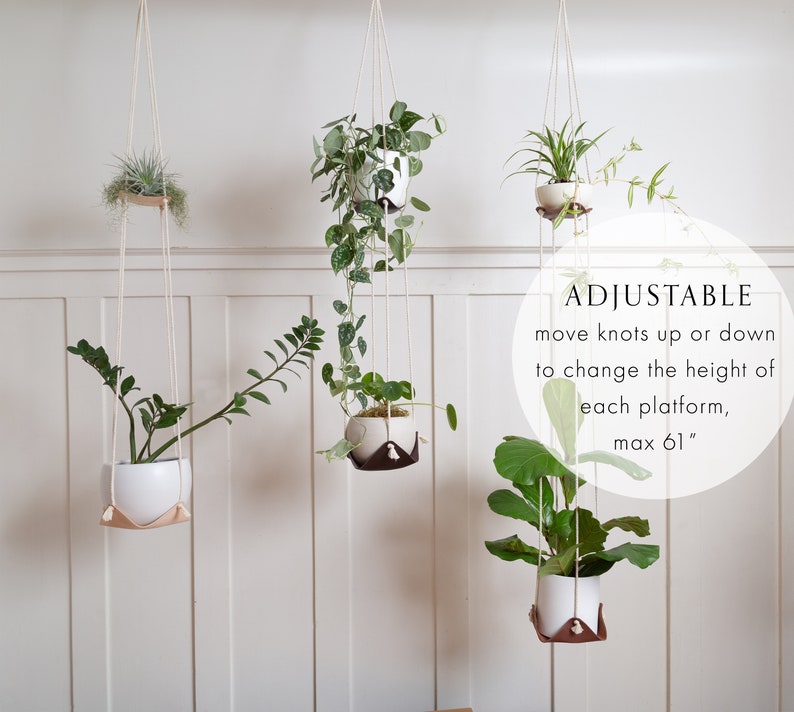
column 370, row 169
column 571, row 540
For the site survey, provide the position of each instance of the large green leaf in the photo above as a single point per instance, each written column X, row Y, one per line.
column 397, row 241
column 347, row 332
column 341, row 257
column 392, row 390
column 560, row 564
column 523, row 461
column 509, row 504
column 632, row 469
column 591, row 565
column 591, row 535
column 533, row 495
column 641, row 555
column 637, row 525
column 512, row 549
column 563, row 407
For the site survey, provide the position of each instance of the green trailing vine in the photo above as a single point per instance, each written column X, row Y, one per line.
column 359, row 177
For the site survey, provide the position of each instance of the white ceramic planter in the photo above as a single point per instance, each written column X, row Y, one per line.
column 556, row 602
column 146, row 491
column 371, row 434
column 397, row 196
column 554, row 196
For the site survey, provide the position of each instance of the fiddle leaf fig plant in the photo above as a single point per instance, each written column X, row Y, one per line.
column 145, row 175
column 368, row 168
column 532, row 467
column 152, row 414
column 556, row 155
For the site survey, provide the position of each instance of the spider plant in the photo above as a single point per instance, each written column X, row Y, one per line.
column 558, row 153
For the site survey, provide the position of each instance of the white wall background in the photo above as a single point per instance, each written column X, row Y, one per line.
column 304, row 586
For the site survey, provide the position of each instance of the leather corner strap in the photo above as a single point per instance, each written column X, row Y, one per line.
column 114, row 517
column 383, row 458
column 567, row 633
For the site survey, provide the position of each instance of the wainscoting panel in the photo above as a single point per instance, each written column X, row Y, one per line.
column 307, row 586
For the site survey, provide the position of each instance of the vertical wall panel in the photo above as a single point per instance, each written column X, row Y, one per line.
column 451, row 535
column 271, row 517
column 325, row 589
column 331, row 536
column 786, row 580
column 149, row 573
column 87, row 421
column 391, row 545
column 34, row 492
column 510, row 669
column 628, row 671
column 723, row 619
column 211, row 507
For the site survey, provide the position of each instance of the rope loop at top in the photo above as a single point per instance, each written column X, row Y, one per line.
column 143, row 34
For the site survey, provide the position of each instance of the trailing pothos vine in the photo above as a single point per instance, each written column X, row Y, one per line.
column 364, row 164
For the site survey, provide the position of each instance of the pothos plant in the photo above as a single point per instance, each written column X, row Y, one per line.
column 145, row 175
column 153, row 414
column 551, row 510
column 556, row 155
column 363, row 164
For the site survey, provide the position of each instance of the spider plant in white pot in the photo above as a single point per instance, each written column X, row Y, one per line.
column 558, row 157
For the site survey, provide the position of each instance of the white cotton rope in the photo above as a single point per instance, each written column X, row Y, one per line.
column 142, row 27
column 376, row 30
column 551, row 104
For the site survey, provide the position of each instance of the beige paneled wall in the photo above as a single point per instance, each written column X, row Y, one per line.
column 305, row 586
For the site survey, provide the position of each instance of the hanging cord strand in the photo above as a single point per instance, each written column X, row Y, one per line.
column 540, row 540
column 166, row 245
column 363, row 56
column 385, row 205
column 122, row 257
column 574, row 100
column 385, row 39
column 551, row 85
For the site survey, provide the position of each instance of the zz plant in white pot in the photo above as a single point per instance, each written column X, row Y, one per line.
column 571, row 551
column 146, row 485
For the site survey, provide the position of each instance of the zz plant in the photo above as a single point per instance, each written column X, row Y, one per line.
column 361, row 174
column 153, row 414
column 532, row 467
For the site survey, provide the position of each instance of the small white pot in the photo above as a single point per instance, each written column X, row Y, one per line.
column 556, row 602
column 397, row 196
column 554, row 196
column 370, row 433
column 146, row 491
